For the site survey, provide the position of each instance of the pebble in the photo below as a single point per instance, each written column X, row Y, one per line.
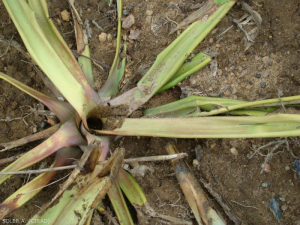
column 195, row 163
column 65, row 15
column 149, row 12
column 296, row 164
column 263, row 84
column 134, row 33
column 140, row 5
column 125, row 12
column 148, row 19
column 267, row 168
column 274, row 207
column 102, row 37
column 211, row 40
column 282, row 198
column 130, row 7
column 218, row 45
column 109, row 37
column 258, row 75
column 43, row 125
column 128, row 22
column 266, row 59
column 266, row 185
column 234, row 151
column 287, row 168
column 199, row 152
column 284, row 207
column 58, row 22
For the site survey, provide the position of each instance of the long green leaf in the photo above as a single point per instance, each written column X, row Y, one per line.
column 39, row 43
column 111, row 86
column 82, row 45
column 29, row 190
column 63, row 110
column 195, row 105
column 54, row 211
column 188, row 68
column 59, row 45
column 78, row 209
column 120, row 207
column 68, row 135
column 170, row 60
column 34, row 137
column 131, row 189
column 280, row 125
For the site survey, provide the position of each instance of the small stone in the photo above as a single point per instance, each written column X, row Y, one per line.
column 250, row 82
column 125, row 12
column 140, row 5
column 195, row 163
column 267, row 168
column 265, row 59
column 263, row 84
column 148, row 19
column 109, row 37
column 149, row 12
column 287, row 168
column 284, row 207
column 134, row 34
column 43, row 125
column 234, row 151
column 274, row 207
column 102, row 37
column 266, row 185
column 34, row 129
column 65, row 15
column 58, row 22
column 258, row 75
column 128, row 22
column 227, row 69
column 296, row 164
column 130, row 7
column 211, row 40
column 282, row 198
column 218, row 45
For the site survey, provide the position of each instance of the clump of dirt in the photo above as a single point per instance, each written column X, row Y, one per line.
column 268, row 69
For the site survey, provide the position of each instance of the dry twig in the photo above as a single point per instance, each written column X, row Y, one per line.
column 80, row 165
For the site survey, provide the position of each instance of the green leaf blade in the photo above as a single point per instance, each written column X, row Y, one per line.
column 280, row 125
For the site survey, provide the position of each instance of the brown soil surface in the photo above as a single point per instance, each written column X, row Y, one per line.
column 268, row 68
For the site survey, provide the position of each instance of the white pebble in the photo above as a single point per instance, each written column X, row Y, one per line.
column 149, row 12
column 102, row 37
column 65, row 15
column 234, row 151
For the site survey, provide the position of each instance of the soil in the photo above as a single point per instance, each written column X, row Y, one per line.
column 269, row 68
